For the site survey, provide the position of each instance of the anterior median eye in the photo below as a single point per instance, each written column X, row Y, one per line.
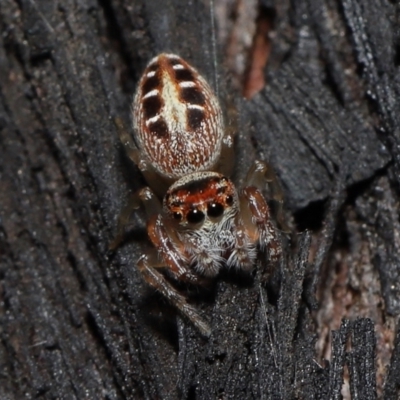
column 215, row 210
column 195, row 216
column 177, row 216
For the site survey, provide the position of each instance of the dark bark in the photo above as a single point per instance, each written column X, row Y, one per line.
column 79, row 322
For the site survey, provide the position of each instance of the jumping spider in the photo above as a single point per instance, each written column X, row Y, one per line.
column 203, row 222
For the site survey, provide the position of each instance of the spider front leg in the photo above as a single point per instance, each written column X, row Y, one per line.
column 169, row 253
column 261, row 172
column 143, row 196
column 258, row 222
column 255, row 212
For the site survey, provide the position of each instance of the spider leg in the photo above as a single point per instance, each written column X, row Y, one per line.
column 171, row 250
column 167, row 255
column 127, row 141
column 143, row 196
column 261, row 172
column 256, row 218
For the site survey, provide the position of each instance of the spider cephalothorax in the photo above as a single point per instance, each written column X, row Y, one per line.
column 203, row 222
column 205, row 209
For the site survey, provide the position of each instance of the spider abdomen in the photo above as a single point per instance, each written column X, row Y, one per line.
column 177, row 119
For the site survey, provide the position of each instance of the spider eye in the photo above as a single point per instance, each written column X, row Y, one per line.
column 215, row 210
column 195, row 216
column 177, row 216
column 229, row 200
